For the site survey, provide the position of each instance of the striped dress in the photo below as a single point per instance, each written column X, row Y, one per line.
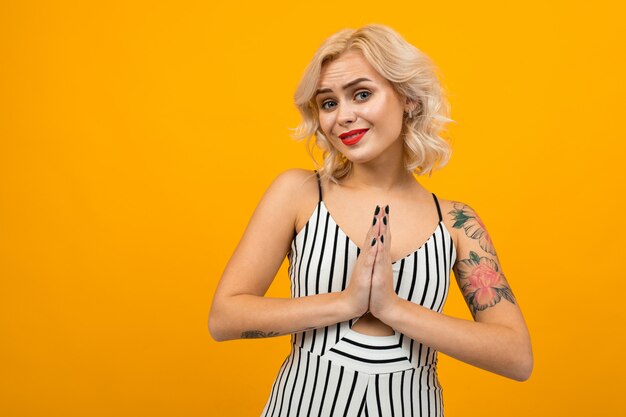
column 335, row 371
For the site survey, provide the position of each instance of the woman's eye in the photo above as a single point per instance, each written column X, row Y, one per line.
column 327, row 105
column 363, row 95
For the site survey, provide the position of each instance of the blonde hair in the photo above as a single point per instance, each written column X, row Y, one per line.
column 411, row 73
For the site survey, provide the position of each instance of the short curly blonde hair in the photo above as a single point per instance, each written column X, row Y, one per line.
column 411, row 73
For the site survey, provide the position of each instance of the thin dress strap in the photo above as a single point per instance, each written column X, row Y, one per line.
column 319, row 183
column 438, row 209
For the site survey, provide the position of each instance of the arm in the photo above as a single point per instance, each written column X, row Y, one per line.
column 497, row 340
column 239, row 308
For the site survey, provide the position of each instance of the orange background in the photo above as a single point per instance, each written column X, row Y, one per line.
column 136, row 140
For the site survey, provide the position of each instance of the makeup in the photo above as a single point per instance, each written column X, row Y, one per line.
column 352, row 137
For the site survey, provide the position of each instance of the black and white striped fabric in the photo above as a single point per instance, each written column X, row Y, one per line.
column 335, row 371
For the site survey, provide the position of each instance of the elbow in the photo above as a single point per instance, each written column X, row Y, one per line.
column 525, row 370
column 225, row 319
column 216, row 327
column 520, row 358
column 523, row 367
column 521, row 373
column 214, row 331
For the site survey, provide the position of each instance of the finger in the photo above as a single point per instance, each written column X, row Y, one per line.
column 374, row 229
column 383, row 249
column 386, row 227
column 378, row 217
column 381, row 257
column 372, row 242
column 385, row 236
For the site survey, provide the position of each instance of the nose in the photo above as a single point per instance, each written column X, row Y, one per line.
column 346, row 114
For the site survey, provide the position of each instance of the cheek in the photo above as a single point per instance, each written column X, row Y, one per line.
column 385, row 117
column 326, row 124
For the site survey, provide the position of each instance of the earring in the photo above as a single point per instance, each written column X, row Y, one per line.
column 410, row 114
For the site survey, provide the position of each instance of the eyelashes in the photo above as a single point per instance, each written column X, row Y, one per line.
column 360, row 96
column 325, row 104
column 366, row 93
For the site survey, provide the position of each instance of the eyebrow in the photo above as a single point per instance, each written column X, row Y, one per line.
column 350, row 84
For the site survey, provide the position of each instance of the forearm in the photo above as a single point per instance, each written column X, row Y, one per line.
column 494, row 347
column 250, row 316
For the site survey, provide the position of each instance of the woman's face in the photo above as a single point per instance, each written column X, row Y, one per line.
column 359, row 111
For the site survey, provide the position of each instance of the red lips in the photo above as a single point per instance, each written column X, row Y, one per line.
column 353, row 136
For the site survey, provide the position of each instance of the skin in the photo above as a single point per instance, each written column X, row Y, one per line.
column 496, row 340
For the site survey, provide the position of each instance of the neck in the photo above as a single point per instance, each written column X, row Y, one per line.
column 383, row 174
column 380, row 177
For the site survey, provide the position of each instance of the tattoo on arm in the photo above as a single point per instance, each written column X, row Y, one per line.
column 257, row 334
column 466, row 218
column 482, row 283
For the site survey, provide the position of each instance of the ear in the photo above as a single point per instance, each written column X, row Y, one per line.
column 410, row 105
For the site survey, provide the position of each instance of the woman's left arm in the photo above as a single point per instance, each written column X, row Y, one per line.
column 497, row 340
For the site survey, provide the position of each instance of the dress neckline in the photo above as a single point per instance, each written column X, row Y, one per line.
column 322, row 204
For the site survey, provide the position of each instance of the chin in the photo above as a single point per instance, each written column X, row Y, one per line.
column 356, row 158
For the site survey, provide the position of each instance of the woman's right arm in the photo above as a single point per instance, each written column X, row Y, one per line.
column 239, row 308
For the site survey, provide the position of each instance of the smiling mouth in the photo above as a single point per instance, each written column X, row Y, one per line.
column 352, row 137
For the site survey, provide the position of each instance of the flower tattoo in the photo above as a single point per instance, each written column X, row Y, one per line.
column 483, row 285
column 466, row 218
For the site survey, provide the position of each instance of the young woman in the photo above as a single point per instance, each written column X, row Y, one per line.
column 370, row 249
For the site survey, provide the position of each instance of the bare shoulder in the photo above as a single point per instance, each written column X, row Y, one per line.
column 276, row 215
column 463, row 222
column 268, row 236
column 298, row 190
column 295, row 185
column 294, row 179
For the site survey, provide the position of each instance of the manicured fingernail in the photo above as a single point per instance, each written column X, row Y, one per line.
column 385, row 220
column 374, row 222
column 373, row 241
column 382, row 239
column 387, row 209
column 377, row 210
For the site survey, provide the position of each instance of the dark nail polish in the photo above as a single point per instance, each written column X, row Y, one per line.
column 387, row 209
column 385, row 220
column 374, row 222
column 382, row 239
column 373, row 241
column 377, row 210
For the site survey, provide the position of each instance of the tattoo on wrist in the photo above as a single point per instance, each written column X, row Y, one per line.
column 257, row 334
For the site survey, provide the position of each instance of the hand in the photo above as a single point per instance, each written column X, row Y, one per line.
column 382, row 294
column 359, row 286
